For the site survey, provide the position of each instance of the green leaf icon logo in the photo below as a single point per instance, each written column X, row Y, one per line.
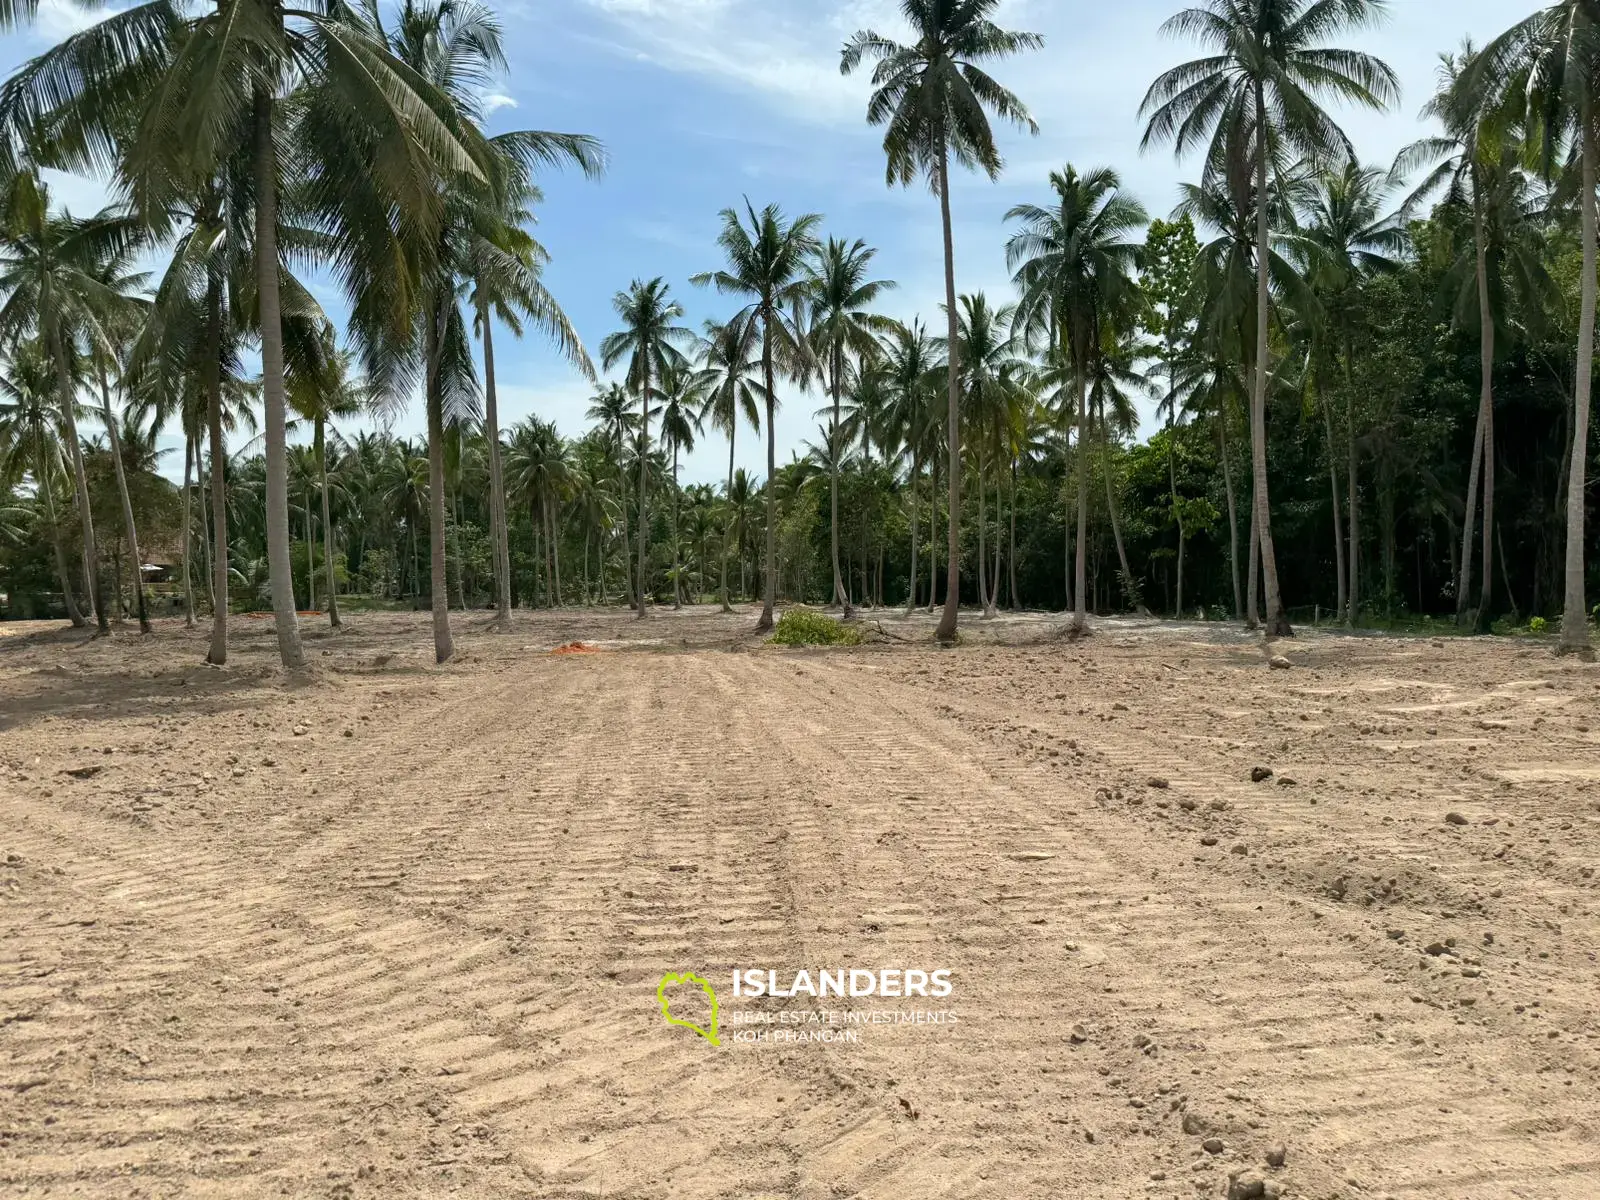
column 710, row 1034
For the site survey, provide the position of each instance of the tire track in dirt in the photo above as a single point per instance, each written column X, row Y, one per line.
column 1295, row 987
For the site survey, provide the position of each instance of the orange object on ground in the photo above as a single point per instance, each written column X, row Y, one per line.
column 576, row 648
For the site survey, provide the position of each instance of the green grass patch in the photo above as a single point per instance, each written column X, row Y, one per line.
column 808, row 627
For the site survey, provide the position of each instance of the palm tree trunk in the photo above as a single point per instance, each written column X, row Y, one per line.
column 1486, row 596
column 1333, row 484
column 933, row 533
column 1574, row 616
column 627, row 544
column 188, row 528
column 217, row 655
column 946, row 632
column 91, row 553
column 1131, row 596
column 1011, row 557
column 311, row 557
column 677, row 553
column 327, row 524
column 644, row 467
column 733, row 429
column 1485, row 404
column 497, row 480
column 983, row 553
column 841, row 593
column 767, row 621
column 74, row 614
column 1277, row 619
column 555, row 552
column 267, row 266
column 1066, row 543
column 115, row 440
column 1252, row 617
column 202, row 506
column 1352, row 492
column 1080, row 615
column 1233, row 512
column 439, row 587
column 911, row 578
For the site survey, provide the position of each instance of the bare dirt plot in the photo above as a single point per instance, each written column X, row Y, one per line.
column 396, row 930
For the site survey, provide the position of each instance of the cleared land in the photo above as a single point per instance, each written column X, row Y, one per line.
column 396, row 930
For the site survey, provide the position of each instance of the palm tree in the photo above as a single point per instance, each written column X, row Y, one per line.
column 50, row 276
column 934, row 98
column 841, row 329
column 729, row 376
column 31, row 433
column 766, row 263
column 1255, row 100
column 505, row 264
column 1073, row 265
column 1346, row 238
column 320, row 397
column 612, row 409
column 652, row 341
column 910, row 359
column 1548, row 65
column 680, row 397
column 987, row 350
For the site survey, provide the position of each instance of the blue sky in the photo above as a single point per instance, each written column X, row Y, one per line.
column 703, row 102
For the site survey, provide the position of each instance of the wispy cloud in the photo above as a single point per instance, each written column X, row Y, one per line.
column 493, row 101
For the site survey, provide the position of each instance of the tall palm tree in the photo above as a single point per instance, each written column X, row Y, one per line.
column 910, row 360
column 766, row 263
column 50, row 278
column 729, row 374
column 333, row 393
column 1255, row 101
column 1073, row 264
column 987, row 348
column 168, row 98
column 612, row 410
column 505, row 266
column 31, row 435
column 681, row 396
column 842, row 329
column 1549, row 64
column 653, row 343
column 1345, row 238
column 934, row 98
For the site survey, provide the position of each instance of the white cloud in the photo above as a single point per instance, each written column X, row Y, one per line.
column 493, row 101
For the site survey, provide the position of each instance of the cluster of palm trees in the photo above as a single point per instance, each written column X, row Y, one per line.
column 252, row 141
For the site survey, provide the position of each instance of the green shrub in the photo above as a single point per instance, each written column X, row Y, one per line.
column 808, row 627
column 1537, row 625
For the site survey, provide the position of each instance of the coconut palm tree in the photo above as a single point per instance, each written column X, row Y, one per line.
column 1344, row 238
column 910, row 361
column 934, row 97
column 729, row 373
column 612, row 410
column 31, row 436
column 842, row 329
column 1255, row 102
column 1073, row 264
column 50, row 277
column 333, row 393
column 505, row 264
column 766, row 263
column 653, row 343
column 681, row 398
column 1546, row 70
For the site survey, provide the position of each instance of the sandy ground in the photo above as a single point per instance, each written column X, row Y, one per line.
column 397, row 931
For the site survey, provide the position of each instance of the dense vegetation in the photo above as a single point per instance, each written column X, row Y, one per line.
column 1418, row 441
